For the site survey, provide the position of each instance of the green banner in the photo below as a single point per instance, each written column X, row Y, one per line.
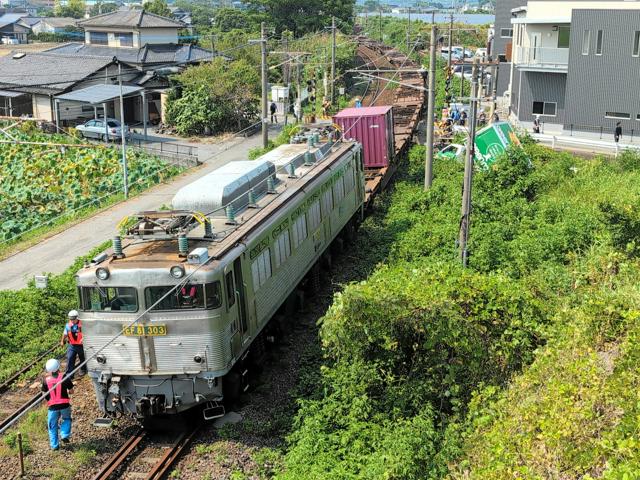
column 492, row 141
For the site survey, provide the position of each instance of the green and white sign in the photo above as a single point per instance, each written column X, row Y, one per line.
column 492, row 141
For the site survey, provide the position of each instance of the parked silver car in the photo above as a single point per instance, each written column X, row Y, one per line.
column 96, row 129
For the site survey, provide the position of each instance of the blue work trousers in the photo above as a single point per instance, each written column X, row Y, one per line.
column 72, row 352
column 53, row 423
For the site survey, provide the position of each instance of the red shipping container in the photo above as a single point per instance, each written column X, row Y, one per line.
column 373, row 128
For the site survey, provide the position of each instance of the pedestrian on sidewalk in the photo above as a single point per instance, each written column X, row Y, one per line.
column 536, row 124
column 618, row 132
column 273, row 109
column 57, row 389
column 495, row 117
column 297, row 112
column 72, row 334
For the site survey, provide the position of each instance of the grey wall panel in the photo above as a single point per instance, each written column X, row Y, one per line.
column 503, row 20
column 603, row 83
column 540, row 87
column 504, row 72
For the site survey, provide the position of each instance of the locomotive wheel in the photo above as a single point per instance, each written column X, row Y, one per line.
column 232, row 386
column 315, row 279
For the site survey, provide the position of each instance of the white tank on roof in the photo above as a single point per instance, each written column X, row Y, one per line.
column 226, row 185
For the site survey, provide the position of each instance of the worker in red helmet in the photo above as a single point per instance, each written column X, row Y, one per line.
column 57, row 388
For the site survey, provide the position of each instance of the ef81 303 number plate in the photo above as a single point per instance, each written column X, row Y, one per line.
column 145, row 330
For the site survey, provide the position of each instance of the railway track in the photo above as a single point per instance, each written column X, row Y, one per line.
column 407, row 98
column 147, row 455
column 15, row 401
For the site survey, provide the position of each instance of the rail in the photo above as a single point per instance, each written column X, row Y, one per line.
column 127, row 455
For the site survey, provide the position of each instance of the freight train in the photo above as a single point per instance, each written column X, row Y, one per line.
column 193, row 289
column 178, row 311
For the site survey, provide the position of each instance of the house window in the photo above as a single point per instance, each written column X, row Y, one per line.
column 599, row 42
column 586, row 40
column 99, row 38
column 299, row 230
column 618, row 115
column 545, row 108
column 281, row 248
column 506, row 32
column 125, row 39
column 638, row 117
column 261, row 269
column 314, row 215
column 636, row 44
column 563, row 36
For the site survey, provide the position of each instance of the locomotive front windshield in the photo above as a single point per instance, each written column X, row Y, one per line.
column 190, row 295
column 108, row 299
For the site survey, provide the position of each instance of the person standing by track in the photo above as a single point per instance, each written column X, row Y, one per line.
column 73, row 335
column 57, row 388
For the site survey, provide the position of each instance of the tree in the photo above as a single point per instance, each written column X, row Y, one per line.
column 159, row 7
column 216, row 96
column 304, row 16
column 73, row 8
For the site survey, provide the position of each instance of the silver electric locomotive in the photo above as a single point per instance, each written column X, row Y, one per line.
column 173, row 311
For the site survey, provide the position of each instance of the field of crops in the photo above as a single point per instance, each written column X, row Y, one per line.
column 42, row 182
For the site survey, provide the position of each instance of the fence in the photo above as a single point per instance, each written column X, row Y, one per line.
column 178, row 153
column 582, row 142
column 600, row 130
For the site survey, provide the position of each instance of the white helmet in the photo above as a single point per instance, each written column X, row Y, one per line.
column 52, row 365
column 73, row 314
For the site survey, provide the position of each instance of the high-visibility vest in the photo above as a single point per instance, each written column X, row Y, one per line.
column 75, row 338
column 54, row 386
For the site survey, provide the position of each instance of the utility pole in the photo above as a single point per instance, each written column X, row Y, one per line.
column 380, row 21
column 333, row 58
column 125, row 173
column 409, row 30
column 450, row 39
column 428, row 169
column 213, row 44
column 462, row 75
column 285, row 76
column 263, row 48
column 468, row 167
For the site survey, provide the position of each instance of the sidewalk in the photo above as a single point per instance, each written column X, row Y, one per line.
column 56, row 253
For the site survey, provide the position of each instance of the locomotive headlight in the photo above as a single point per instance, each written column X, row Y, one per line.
column 101, row 359
column 177, row 271
column 102, row 273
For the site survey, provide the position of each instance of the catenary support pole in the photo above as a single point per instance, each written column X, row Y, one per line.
column 450, row 39
column 380, row 20
column 428, row 170
column 468, row 168
column 263, row 48
column 123, row 141
column 286, row 67
column 333, row 58
column 408, row 30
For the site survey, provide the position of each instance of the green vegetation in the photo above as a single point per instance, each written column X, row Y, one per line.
column 71, row 8
column 32, row 319
column 43, row 182
column 523, row 365
column 215, row 97
column 224, row 96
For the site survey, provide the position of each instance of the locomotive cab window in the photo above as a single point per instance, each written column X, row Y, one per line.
column 108, row 299
column 188, row 296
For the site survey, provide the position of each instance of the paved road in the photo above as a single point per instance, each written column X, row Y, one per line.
column 56, row 253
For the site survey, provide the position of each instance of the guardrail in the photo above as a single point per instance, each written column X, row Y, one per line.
column 176, row 152
column 563, row 140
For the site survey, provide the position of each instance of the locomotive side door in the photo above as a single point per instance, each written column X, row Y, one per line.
column 236, row 306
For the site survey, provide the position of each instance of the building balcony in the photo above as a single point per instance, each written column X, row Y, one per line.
column 541, row 59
